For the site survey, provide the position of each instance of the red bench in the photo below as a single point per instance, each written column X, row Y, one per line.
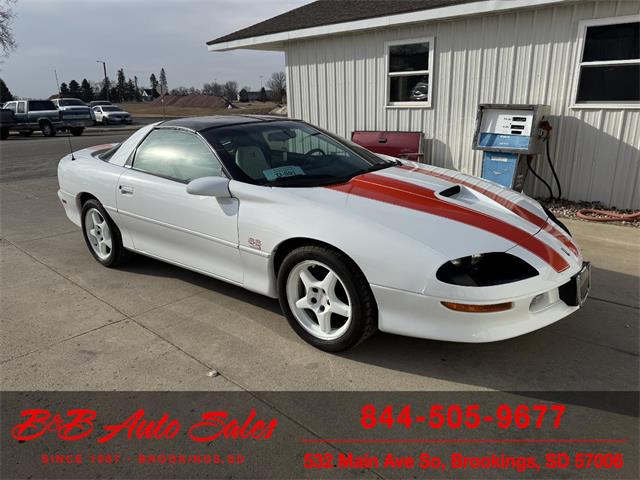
column 408, row 145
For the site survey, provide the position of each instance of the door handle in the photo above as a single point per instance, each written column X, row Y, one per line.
column 126, row 190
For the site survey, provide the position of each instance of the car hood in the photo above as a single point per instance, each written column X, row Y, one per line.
column 449, row 212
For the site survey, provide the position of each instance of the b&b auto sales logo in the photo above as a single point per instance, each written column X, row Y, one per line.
column 80, row 424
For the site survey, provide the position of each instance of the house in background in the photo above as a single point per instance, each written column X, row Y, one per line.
column 148, row 94
column 352, row 65
column 251, row 96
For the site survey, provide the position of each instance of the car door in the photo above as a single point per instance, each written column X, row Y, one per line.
column 167, row 222
column 21, row 112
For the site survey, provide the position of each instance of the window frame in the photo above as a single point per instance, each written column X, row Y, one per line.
column 429, row 72
column 583, row 25
column 130, row 163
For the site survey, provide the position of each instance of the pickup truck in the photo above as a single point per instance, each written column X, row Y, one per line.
column 7, row 122
column 32, row 115
column 76, row 115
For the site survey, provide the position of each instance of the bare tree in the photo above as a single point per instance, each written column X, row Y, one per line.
column 7, row 42
column 278, row 85
column 230, row 90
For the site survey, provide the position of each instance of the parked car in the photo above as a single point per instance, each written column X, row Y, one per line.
column 7, row 122
column 77, row 114
column 111, row 114
column 95, row 103
column 32, row 115
column 350, row 242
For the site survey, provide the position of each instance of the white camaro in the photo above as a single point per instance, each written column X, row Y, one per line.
column 350, row 242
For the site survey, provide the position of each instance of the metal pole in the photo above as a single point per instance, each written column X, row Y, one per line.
column 106, row 86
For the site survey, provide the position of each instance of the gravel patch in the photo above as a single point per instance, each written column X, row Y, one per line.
column 568, row 209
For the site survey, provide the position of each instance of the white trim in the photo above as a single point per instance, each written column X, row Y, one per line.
column 275, row 41
column 582, row 32
column 430, row 72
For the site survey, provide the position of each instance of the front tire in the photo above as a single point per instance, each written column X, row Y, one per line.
column 326, row 298
column 4, row 133
column 105, row 121
column 47, row 129
column 101, row 235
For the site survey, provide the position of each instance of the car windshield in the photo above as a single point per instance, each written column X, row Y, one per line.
column 71, row 102
column 111, row 109
column 289, row 154
column 41, row 105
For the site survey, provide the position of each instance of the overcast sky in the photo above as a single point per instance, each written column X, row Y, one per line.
column 140, row 36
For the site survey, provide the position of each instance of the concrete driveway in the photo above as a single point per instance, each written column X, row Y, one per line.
column 70, row 324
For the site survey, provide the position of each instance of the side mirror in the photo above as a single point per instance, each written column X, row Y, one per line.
column 209, row 187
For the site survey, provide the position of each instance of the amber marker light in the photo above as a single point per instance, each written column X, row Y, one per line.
column 465, row 307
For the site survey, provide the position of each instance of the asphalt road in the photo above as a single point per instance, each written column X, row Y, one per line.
column 37, row 156
column 68, row 323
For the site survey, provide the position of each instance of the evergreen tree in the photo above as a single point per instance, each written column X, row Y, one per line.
column 137, row 96
column 74, row 89
column 163, row 80
column 153, row 81
column 64, row 90
column 130, row 91
column 106, row 88
column 263, row 95
column 121, row 86
column 86, row 92
column 5, row 93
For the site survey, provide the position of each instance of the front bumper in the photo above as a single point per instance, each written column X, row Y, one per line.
column 417, row 315
column 114, row 121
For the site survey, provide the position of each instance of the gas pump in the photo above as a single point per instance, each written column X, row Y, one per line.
column 511, row 138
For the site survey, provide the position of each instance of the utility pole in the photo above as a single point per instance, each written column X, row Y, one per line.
column 106, row 82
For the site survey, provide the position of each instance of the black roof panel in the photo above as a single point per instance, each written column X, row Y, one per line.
column 211, row 121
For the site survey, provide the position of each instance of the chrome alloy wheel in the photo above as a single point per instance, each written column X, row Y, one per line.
column 98, row 233
column 319, row 300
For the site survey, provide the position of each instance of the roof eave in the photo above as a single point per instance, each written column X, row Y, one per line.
column 277, row 41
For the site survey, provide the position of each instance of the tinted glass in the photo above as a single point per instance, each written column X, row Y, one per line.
column 615, row 83
column 21, row 108
column 290, row 154
column 409, row 58
column 410, row 88
column 111, row 109
column 612, row 42
column 71, row 102
column 40, row 105
column 177, row 155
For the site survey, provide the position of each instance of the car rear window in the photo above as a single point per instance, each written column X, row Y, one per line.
column 40, row 105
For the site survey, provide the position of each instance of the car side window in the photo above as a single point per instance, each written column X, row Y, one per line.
column 11, row 106
column 177, row 155
column 21, row 108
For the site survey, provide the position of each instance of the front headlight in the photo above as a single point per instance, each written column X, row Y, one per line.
column 485, row 270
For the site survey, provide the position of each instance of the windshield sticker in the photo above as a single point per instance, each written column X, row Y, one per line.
column 281, row 172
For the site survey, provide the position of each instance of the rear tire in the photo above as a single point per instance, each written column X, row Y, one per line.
column 47, row 129
column 102, row 235
column 326, row 298
column 4, row 133
column 76, row 132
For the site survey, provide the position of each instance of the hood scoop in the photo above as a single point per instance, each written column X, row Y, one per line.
column 459, row 193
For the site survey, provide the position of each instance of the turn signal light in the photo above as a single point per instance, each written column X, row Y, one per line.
column 465, row 307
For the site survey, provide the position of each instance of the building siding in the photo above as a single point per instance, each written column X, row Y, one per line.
column 525, row 56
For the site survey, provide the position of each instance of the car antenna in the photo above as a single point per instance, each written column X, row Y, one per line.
column 55, row 72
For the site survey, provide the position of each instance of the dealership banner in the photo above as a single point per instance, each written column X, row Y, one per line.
column 439, row 435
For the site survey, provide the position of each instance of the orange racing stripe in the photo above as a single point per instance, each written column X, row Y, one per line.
column 514, row 207
column 408, row 195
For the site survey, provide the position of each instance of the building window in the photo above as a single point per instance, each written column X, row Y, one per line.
column 609, row 67
column 409, row 72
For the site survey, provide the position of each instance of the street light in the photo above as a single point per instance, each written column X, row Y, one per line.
column 106, row 81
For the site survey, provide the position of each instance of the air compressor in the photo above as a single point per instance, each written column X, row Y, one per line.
column 511, row 138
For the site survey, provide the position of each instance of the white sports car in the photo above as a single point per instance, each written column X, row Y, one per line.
column 350, row 242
